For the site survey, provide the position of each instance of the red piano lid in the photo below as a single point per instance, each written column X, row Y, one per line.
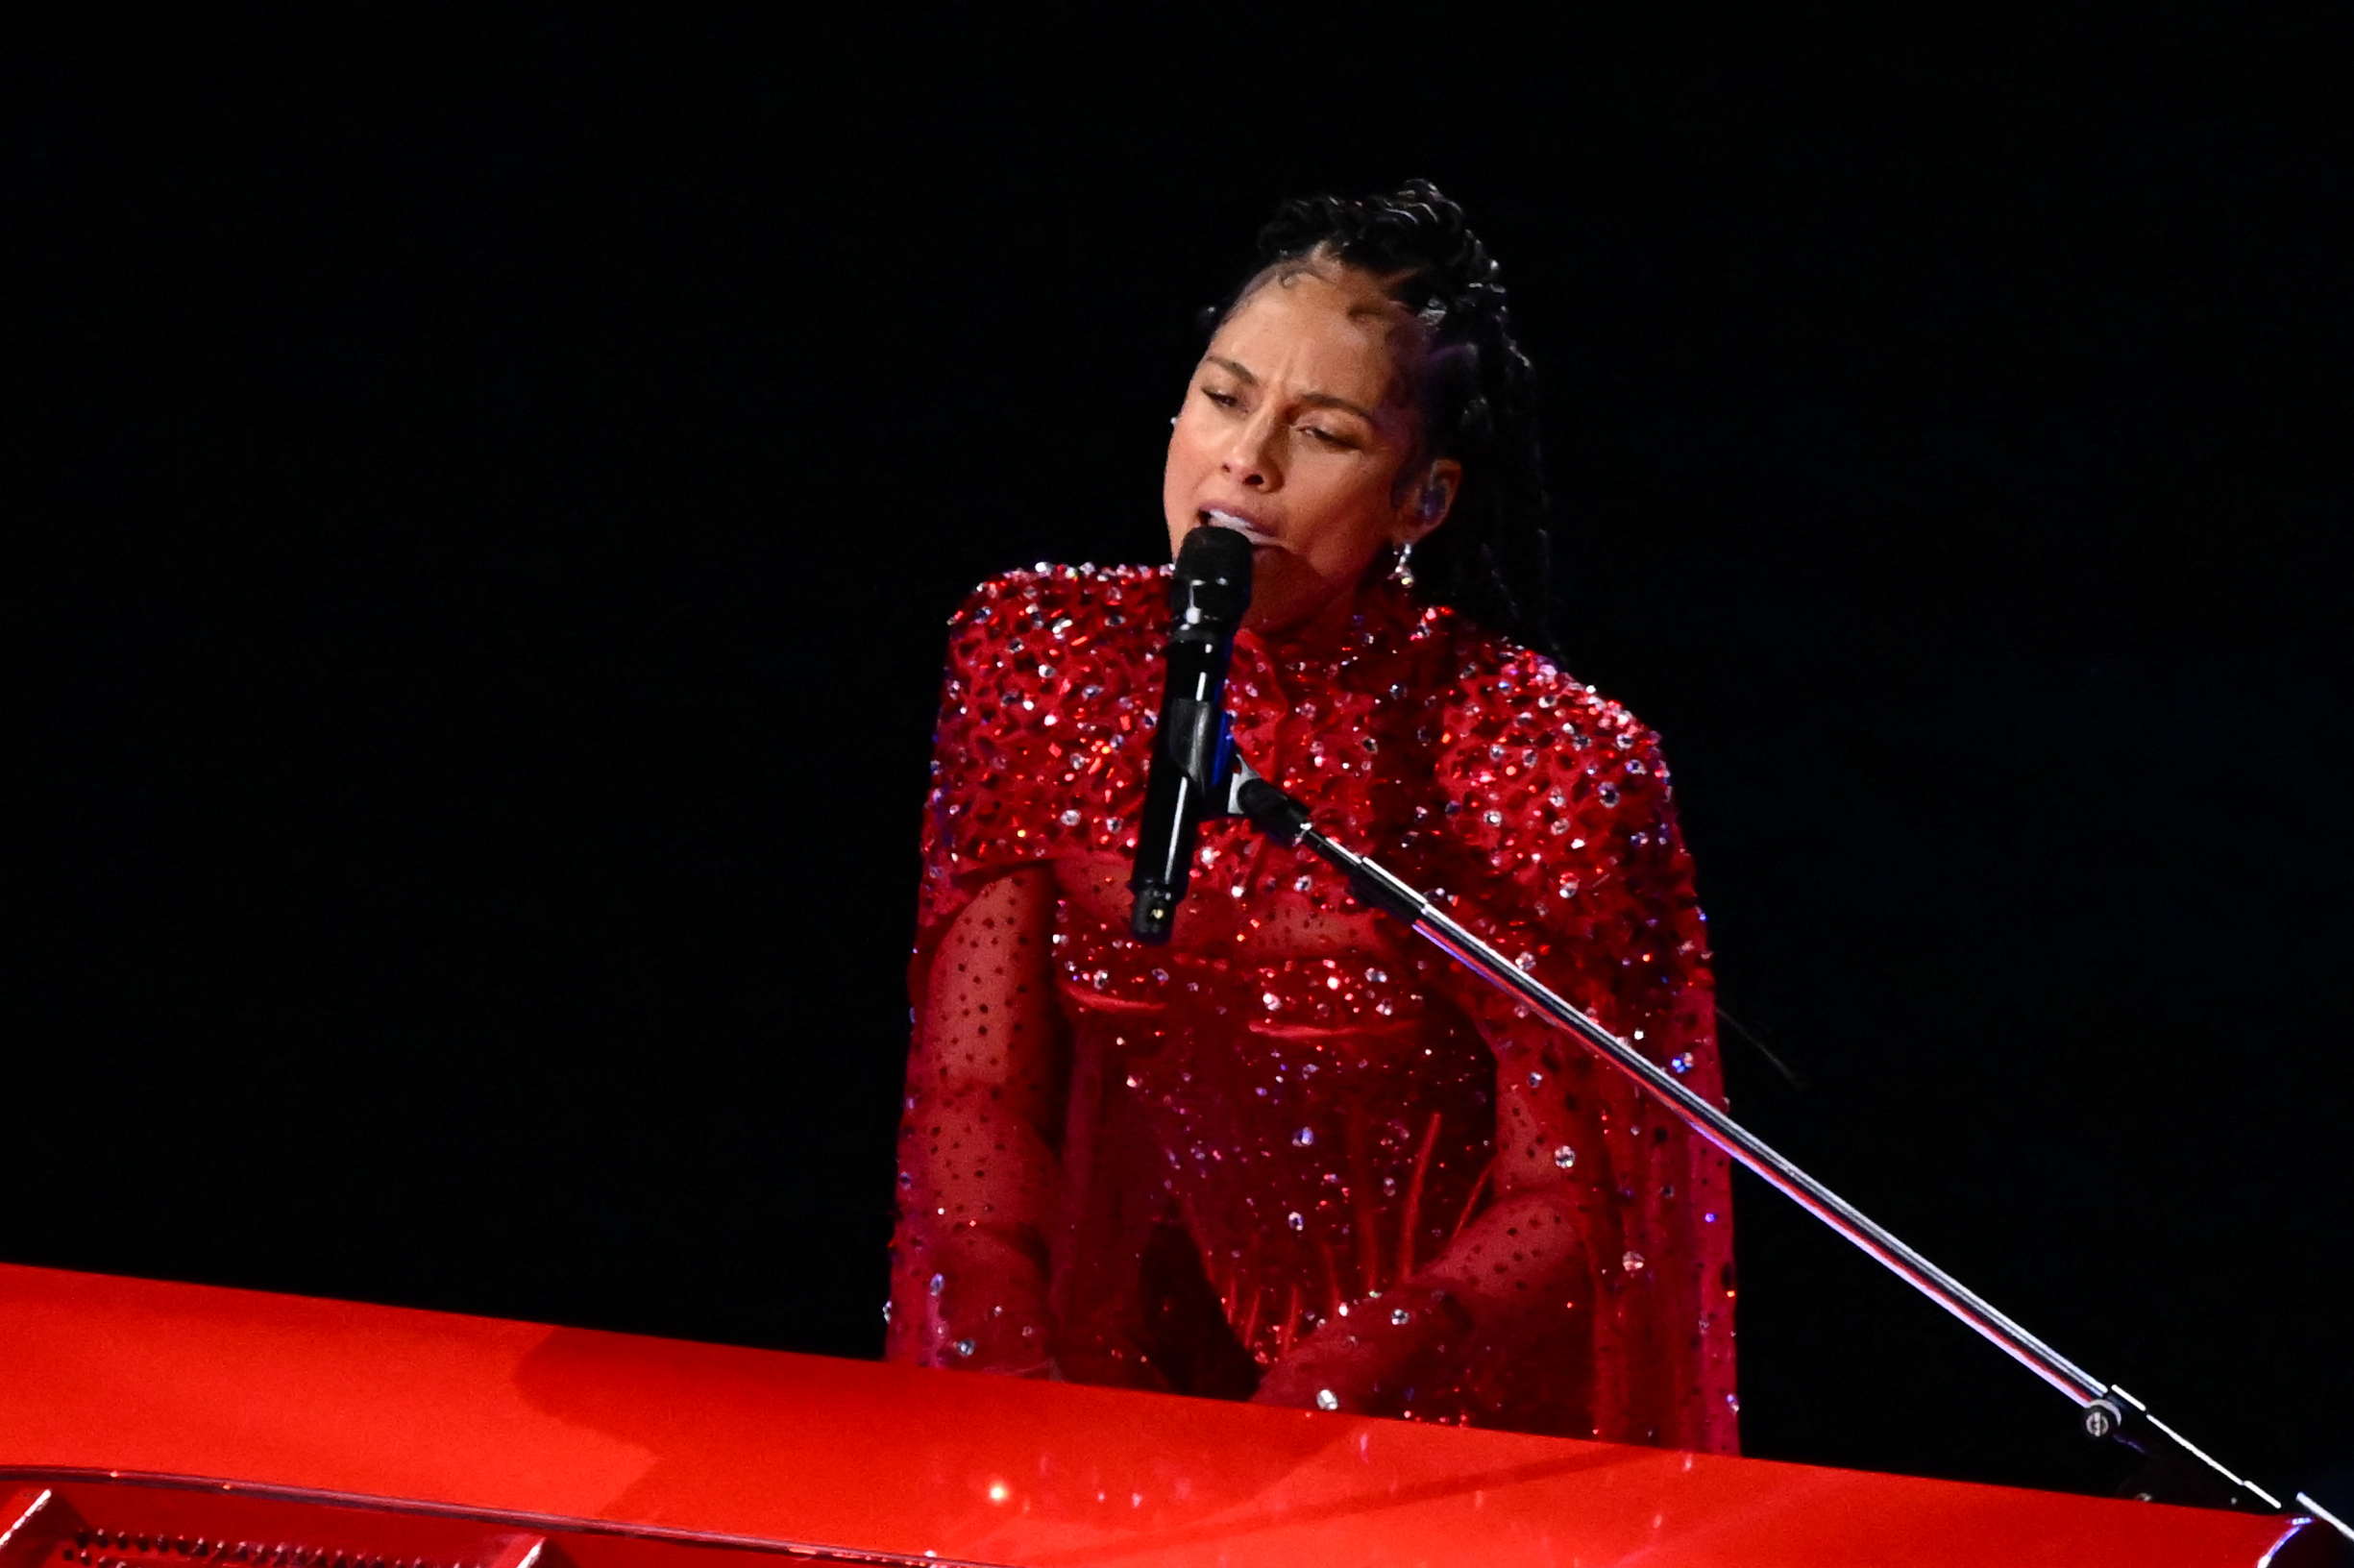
column 139, row 1376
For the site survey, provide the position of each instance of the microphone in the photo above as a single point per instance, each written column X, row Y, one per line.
column 1206, row 596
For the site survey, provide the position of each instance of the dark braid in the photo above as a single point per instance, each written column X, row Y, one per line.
column 1477, row 391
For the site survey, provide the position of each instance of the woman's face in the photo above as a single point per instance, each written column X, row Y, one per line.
column 1298, row 429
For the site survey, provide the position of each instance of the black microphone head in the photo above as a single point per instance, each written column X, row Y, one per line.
column 1208, row 594
column 1211, row 584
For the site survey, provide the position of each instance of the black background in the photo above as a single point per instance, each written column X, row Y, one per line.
column 490, row 498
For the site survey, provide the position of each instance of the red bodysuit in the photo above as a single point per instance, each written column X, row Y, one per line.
column 1298, row 1150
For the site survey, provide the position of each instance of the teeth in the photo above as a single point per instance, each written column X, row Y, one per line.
column 1227, row 519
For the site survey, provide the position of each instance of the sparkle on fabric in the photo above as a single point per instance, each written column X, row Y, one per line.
column 1325, row 1120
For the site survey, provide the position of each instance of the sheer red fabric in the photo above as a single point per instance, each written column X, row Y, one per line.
column 1297, row 1155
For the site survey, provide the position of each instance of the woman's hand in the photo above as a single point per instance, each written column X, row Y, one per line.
column 1515, row 1265
column 990, row 1312
column 1373, row 1360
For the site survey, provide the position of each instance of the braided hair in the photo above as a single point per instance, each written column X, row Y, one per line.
column 1475, row 388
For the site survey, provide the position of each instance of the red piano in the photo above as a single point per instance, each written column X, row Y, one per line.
column 145, row 1424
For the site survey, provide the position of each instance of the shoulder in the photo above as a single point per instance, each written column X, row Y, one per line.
column 1548, row 777
column 1561, row 798
column 1041, row 598
column 1043, row 697
column 1042, row 657
column 1498, row 694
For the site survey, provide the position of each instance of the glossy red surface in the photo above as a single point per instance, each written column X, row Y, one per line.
column 498, row 1420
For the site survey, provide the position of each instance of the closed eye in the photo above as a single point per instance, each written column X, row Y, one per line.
column 1327, row 437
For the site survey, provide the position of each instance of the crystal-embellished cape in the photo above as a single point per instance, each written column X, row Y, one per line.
column 1295, row 1128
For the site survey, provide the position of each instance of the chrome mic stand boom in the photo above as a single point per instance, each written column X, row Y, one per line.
column 2108, row 1411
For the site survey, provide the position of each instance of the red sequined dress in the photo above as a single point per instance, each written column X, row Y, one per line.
column 1297, row 1151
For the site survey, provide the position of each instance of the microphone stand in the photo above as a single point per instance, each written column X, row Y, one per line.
column 2173, row 1467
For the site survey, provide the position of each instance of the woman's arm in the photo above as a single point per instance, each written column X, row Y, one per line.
column 979, row 1178
column 1528, row 1255
column 1531, row 1250
column 1567, row 856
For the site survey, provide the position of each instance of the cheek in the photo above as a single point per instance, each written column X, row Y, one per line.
column 1196, row 448
column 1187, row 459
column 1180, row 477
column 1350, row 530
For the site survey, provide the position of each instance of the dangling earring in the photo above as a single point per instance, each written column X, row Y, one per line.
column 1402, row 569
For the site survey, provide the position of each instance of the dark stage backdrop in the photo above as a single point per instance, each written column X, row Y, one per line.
column 488, row 501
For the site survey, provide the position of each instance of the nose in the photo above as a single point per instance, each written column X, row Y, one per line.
column 1250, row 459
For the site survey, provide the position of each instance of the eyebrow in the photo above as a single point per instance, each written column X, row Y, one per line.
column 1318, row 399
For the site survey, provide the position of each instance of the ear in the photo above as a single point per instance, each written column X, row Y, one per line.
column 1428, row 504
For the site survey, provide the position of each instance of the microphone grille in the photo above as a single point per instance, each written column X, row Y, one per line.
column 1212, row 577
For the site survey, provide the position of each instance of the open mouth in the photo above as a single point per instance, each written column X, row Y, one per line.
column 1211, row 517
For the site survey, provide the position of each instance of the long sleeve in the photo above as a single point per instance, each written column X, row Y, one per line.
column 979, row 1179
column 979, row 1173
column 1564, row 853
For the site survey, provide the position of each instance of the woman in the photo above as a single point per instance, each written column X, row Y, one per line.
column 1296, row 1156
